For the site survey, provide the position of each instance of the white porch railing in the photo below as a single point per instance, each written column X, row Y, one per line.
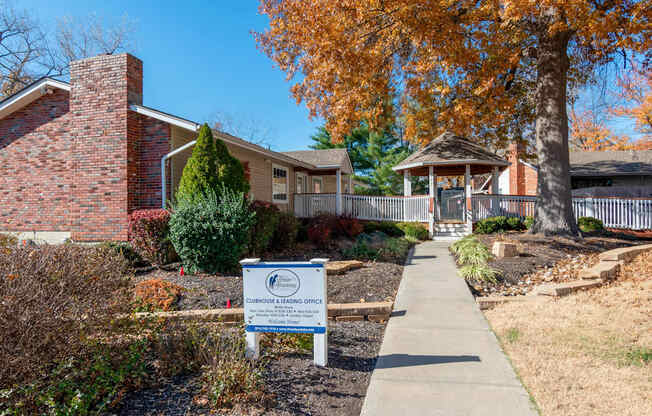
column 311, row 205
column 485, row 206
column 628, row 213
column 364, row 207
column 624, row 213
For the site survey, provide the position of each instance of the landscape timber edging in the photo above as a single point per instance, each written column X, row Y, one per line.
column 371, row 311
column 606, row 269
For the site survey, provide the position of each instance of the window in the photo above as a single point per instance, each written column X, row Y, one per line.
column 301, row 183
column 279, row 184
column 317, row 185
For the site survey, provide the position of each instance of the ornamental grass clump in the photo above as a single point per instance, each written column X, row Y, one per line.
column 473, row 257
column 211, row 232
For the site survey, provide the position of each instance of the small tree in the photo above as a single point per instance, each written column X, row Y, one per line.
column 230, row 171
column 200, row 174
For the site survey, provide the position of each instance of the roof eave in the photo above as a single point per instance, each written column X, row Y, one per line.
column 451, row 162
column 30, row 94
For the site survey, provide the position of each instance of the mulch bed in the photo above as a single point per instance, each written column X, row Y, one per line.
column 375, row 282
column 546, row 259
column 296, row 385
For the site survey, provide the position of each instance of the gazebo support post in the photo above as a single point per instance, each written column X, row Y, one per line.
column 494, row 203
column 467, row 192
column 432, row 191
column 407, row 191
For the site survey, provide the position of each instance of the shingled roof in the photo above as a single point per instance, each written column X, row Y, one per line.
column 324, row 158
column 447, row 151
column 611, row 163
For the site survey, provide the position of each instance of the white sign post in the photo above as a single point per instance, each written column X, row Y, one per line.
column 287, row 297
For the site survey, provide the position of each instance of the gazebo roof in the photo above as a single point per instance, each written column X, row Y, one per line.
column 449, row 154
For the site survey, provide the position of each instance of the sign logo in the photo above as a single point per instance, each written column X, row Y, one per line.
column 282, row 283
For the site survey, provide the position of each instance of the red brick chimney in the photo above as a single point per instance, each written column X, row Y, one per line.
column 105, row 137
column 516, row 169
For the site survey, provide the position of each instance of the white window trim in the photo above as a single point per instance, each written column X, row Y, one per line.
column 287, row 184
column 304, row 183
column 321, row 181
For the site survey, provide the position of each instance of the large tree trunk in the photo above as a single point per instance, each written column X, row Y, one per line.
column 554, row 212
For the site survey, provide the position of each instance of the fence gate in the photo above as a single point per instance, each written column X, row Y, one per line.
column 452, row 205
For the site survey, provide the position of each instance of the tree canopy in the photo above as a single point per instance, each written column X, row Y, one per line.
column 482, row 69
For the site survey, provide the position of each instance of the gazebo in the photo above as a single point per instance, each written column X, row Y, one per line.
column 450, row 155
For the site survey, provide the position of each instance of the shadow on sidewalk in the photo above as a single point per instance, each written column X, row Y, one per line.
column 408, row 360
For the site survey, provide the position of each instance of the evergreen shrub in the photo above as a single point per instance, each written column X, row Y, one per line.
column 211, row 232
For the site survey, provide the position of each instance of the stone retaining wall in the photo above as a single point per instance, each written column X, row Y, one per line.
column 606, row 269
column 370, row 311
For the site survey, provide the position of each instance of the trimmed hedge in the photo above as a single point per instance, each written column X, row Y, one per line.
column 266, row 221
column 498, row 225
column 211, row 233
column 286, row 232
column 590, row 224
column 414, row 230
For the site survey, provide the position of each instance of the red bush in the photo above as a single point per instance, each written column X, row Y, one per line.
column 350, row 227
column 148, row 234
column 319, row 233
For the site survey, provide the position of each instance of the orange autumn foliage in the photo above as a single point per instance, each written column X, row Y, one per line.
column 590, row 135
column 466, row 66
column 156, row 295
column 635, row 88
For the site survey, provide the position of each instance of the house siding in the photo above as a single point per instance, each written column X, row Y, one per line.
column 259, row 167
column 36, row 167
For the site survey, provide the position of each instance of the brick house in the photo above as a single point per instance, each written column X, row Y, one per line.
column 76, row 158
column 614, row 172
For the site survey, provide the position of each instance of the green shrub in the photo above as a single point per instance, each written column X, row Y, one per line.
column 529, row 222
column 493, row 225
column 200, row 175
column 388, row 227
column 370, row 227
column 230, row 171
column 470, row 250
column 265, row 225
column 392, row 249
column 473, row 256
column 211, row 233
column 590, row 224
column 479, row 273
column 515, row 224
column 414, row 230
column 286, row 232
column 391, row 229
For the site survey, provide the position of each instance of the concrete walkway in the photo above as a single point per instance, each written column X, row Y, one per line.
column 439, row 356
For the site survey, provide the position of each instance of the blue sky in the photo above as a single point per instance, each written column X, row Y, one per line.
column 200, row 58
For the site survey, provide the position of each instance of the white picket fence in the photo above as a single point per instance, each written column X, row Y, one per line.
column 485, row 206
column 376, row 208
column 628, row 213
column 624, row 213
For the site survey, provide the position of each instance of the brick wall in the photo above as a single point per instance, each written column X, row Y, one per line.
column 154, row 143
column 36, row 167
column 105, row 144
column 522, row 178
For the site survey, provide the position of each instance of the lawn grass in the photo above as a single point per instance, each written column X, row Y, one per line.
column 586, row 354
